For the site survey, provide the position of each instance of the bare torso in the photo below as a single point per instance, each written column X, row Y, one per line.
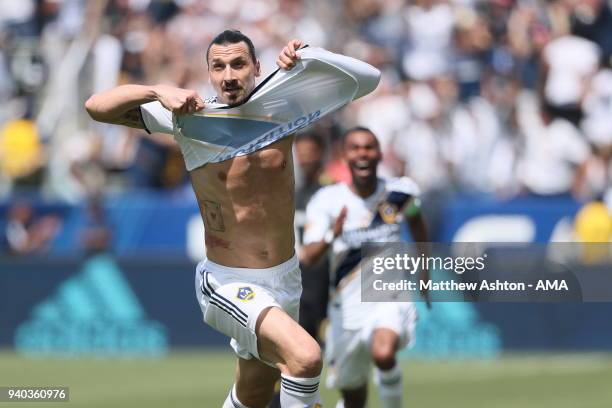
column 247, row 204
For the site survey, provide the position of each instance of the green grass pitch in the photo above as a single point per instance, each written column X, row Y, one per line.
column 195, row 378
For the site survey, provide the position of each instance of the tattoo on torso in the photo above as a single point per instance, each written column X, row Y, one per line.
column 213, row 241
column 214, row 216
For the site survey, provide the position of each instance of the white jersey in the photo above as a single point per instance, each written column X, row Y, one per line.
column 286, row 101
column 366, row 221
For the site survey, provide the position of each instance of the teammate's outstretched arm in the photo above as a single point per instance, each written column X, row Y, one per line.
column 120, row 105
column 310, row 253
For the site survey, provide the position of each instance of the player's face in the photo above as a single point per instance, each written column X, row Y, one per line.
column 362, row 153
column 232, row 72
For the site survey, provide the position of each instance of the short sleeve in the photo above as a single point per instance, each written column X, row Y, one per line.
column 317, row 219
column 404, row 185
column 404, row 192
column 156, row 118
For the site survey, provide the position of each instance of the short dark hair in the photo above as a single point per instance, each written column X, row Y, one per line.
column 232, row 37
column 357, row 129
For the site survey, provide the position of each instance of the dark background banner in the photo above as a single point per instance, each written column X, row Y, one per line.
column 147, row 305
column 160, row 297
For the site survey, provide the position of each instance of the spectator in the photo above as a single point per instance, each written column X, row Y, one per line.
column 554, row 149
column 21, row 152
column 597, row 127
column 430, row 26
column 96, row 236
column 26, row 233
column 422, row 148
column 569, row 62
column 448, row 110
column 310, row 151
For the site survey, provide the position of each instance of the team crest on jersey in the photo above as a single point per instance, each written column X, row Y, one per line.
column 245, row 293
column 388, row 212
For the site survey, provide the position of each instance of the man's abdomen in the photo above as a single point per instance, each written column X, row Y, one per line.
column 247, row 204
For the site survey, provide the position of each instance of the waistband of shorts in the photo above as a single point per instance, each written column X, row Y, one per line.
column 280, row 269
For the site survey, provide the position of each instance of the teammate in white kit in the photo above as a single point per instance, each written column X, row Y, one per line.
column 341, row 217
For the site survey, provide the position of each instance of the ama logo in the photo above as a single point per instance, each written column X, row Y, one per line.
column 93, row 313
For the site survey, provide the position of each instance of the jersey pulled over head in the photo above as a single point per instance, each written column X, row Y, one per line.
column 321, row 82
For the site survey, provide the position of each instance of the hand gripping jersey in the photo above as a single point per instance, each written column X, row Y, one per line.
column 373, row 219
column 286, row 101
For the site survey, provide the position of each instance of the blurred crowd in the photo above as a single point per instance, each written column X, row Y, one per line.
column 506, row 97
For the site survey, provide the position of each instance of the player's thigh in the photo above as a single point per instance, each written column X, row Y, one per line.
column 283, row 342
column 255, row 382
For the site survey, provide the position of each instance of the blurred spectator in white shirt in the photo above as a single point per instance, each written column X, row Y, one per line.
column 430, row 28
column 597, row 126
column 554, row 151
column 423, row 147
column 569, row 63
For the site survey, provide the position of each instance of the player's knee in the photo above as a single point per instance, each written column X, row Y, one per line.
column 307, row 361
column 383, row 356
column 383, row 348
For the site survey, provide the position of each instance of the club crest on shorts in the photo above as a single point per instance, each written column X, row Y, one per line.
column 245, row 293
column 388, row 212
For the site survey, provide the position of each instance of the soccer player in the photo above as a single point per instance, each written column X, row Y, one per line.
column 249, row 286
column 341, row 217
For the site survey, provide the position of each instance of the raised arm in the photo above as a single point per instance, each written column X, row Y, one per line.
column 120, row 105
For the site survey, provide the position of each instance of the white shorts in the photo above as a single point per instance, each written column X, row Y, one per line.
column 231, row 299
column 347, row 351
